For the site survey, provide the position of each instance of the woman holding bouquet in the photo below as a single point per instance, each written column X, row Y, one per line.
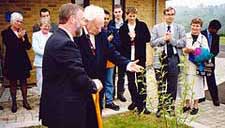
column 195, row 86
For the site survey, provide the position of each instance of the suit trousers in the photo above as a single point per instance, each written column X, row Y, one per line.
column 211, row 82
column 167, row 79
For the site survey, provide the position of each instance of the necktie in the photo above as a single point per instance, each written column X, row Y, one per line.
column 90, row 44
column 210, row 39
column 169, row 46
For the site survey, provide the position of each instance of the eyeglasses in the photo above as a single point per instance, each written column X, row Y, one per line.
column 170, row 14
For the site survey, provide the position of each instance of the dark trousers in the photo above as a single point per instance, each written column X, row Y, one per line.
column 211, row 82
column 121, row 79
column 137, row 92
column 167, row 79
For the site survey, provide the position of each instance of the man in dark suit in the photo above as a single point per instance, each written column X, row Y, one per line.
column 213, row 42
column 66, row 100
column 95, row 49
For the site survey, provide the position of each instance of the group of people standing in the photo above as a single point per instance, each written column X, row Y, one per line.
column 171, row 43
column 77, row 57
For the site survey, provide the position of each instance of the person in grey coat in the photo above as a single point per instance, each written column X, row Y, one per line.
column 168, row 39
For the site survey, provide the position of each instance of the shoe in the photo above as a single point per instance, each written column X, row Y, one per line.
column 14, row 108
column 26, row 105
column 194, row 111
column 146, row 111
column 1, row 108
column 216, row 103
column 201, row 100
column 113, row 106
column 132, row 106
column 121, row 98
column 158, row 113
column 186, row 108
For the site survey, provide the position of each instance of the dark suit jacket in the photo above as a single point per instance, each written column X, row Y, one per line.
column 17, row 65
column 95, row 65
column 142, row 36
column 214, row 49
column 66, row 85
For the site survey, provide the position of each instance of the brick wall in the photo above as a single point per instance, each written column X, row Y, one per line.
column 30, row 10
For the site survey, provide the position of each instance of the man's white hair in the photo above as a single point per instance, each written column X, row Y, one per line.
column 16, row 16
column 91, row 12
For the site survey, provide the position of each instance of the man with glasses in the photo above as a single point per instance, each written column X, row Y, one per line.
column 45, row 13
column 168, row 39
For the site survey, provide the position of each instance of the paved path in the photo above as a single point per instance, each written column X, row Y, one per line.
column 209, row 116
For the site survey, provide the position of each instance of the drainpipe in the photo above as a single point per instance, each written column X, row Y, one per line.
column 156, row 11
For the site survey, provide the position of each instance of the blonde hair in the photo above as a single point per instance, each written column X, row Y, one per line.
column 131, row 10
column 45, row 20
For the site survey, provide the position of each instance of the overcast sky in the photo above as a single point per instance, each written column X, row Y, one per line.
column 194, row 3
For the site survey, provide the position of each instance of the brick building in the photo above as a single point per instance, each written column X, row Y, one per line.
column 149, row 11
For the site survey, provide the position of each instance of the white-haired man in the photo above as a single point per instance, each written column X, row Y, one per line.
column 66, row 100
column 95, row 49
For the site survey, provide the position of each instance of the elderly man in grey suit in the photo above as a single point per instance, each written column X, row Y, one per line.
column 168, row 39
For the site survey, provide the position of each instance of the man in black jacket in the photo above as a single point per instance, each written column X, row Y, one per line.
column 66, row 100
column 213, row 42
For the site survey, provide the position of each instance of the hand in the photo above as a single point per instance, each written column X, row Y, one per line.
column 110, row 37
column 188, row 50
column 167, row 37
column 133, row 67
column 21, row 33
column 98, row 84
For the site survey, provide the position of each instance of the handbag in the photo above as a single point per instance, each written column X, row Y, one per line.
column 207, row 71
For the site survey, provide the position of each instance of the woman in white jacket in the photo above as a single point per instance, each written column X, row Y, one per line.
column 39, row 40
column 195, row 84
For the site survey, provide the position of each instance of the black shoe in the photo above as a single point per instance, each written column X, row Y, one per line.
column 14, row 108
column 201, row 100
column 146, row 111
column 26, row 105
column 113, row 106
column 132, row 106
column 194, row 111
column 216, row 103
column 185, row 109
column 121, row 98
column 1, row 108
column 158, row 113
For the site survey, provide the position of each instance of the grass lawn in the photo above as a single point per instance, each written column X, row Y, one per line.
column 222, row 40
column 131, row 120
